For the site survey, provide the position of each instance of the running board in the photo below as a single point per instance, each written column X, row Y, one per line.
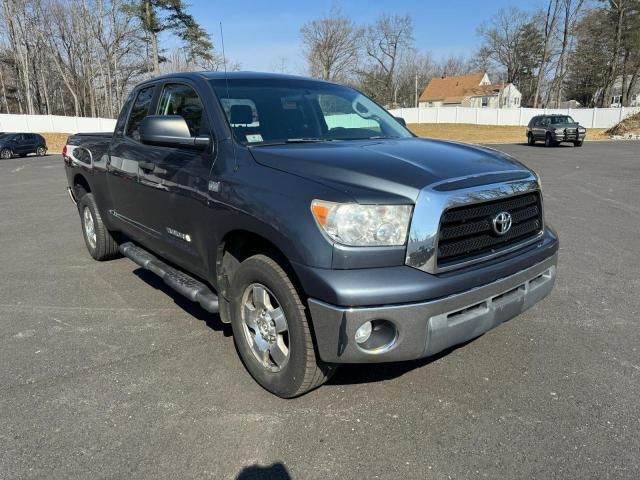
column 182, row 283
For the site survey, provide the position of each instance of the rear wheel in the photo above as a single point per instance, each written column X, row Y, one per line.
column 271, row 329
column 41, row 151
column 97, row 238
column 6, row 153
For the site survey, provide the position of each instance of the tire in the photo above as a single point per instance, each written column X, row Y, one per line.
column 548, row 141
column 285, row 374
column 6, row 154
column 97, row 238
column 530, row 139
column 41, row 151
column 578, row 143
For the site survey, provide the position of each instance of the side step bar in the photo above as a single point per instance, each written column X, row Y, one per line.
column 182, row 283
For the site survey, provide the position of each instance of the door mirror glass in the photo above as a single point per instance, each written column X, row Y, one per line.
column 170, row 131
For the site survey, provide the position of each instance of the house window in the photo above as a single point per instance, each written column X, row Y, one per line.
column 485, row 102
column 616, row 99
column 516, row 101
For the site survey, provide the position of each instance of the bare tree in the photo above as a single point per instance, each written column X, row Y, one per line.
column 331, row 46
column 386, row 42
column 549, row 31
column 456, row 65
column 82, row 56
column 513, row 44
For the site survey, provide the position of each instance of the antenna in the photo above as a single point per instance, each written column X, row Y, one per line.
column 224, row 57
column 226, row 81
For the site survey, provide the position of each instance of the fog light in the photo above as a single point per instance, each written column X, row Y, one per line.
column 364, row 332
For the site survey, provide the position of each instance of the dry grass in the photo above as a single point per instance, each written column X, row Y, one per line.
column 483, row 133
column 630, row 125
column 55, row 141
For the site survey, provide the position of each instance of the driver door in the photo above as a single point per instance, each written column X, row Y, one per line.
column 175, row 182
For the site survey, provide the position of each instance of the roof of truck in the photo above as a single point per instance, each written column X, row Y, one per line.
column 233, row 76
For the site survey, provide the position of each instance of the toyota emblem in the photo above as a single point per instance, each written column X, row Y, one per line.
column 502, row 223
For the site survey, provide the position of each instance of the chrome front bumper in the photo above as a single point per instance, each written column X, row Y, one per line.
column 424, row 329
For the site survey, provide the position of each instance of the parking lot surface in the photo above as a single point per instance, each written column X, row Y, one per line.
column 105, row 373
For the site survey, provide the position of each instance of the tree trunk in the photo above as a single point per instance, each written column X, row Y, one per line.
column 4, row 92
column 612, row 70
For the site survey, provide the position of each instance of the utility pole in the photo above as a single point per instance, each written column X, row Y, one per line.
column 416, row 103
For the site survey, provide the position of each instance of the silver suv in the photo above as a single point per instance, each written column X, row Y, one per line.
column 554, row 129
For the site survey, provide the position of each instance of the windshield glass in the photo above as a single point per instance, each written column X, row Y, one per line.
column 268, row 111
column 555, row 120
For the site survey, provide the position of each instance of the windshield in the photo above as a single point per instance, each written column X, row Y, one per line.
column 276, row 111
column 558, row 119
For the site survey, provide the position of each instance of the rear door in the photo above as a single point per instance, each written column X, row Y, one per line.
column 29, row 143
column 176, row 188
column 538, row 128
column 125, row 156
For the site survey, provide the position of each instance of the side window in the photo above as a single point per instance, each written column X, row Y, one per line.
column 138, row 112
column 178, row 99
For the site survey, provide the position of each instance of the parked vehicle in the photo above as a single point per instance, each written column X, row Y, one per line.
column 554, row 129
column 22, row 144
column 311, row 220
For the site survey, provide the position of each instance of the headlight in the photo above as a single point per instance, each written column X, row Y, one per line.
column 558, row 130
column 582, row 129
column 358, row 225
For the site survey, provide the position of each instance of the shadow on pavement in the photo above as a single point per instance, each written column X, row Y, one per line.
column 211, row 319
column 277, row 471
column 356, row 373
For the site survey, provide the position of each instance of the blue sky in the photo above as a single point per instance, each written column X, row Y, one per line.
column 262, row 35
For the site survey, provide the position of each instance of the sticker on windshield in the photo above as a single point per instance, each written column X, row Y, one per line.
column 255, row 137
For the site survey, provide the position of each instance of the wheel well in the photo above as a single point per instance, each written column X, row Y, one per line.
column 239, row 245
column 80, row 181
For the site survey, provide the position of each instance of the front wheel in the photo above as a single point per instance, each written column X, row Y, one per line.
column 271, row 329
column 548, row 141
column 578, row 143
column 6, row 154
column 530, row 139
column 99, row 242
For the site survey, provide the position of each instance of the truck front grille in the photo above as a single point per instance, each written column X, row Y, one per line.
column 468, row 233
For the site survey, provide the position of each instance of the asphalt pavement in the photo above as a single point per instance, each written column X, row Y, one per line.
column 105, row 373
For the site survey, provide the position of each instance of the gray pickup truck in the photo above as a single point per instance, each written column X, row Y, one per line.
column 312, row 220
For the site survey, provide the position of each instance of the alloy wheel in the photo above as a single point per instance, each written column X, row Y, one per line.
column 265, row 327
column 89, row 227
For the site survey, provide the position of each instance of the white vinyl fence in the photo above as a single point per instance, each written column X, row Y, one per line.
column 54, row 123
column 588, row 117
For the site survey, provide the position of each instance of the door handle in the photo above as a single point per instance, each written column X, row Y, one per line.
column 146, row 166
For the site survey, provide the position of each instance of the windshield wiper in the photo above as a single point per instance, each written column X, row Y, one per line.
column 291, row 140
column 379, row 137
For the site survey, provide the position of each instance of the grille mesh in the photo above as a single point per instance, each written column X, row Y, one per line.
column 467, row 232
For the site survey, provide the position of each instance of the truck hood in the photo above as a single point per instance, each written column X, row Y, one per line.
column 387, row 170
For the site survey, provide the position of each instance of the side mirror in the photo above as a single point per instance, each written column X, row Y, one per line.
column 169, row 131
column 401, row 121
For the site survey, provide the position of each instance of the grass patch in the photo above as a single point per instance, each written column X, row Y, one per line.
column 55, row 141
column 468, row 133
